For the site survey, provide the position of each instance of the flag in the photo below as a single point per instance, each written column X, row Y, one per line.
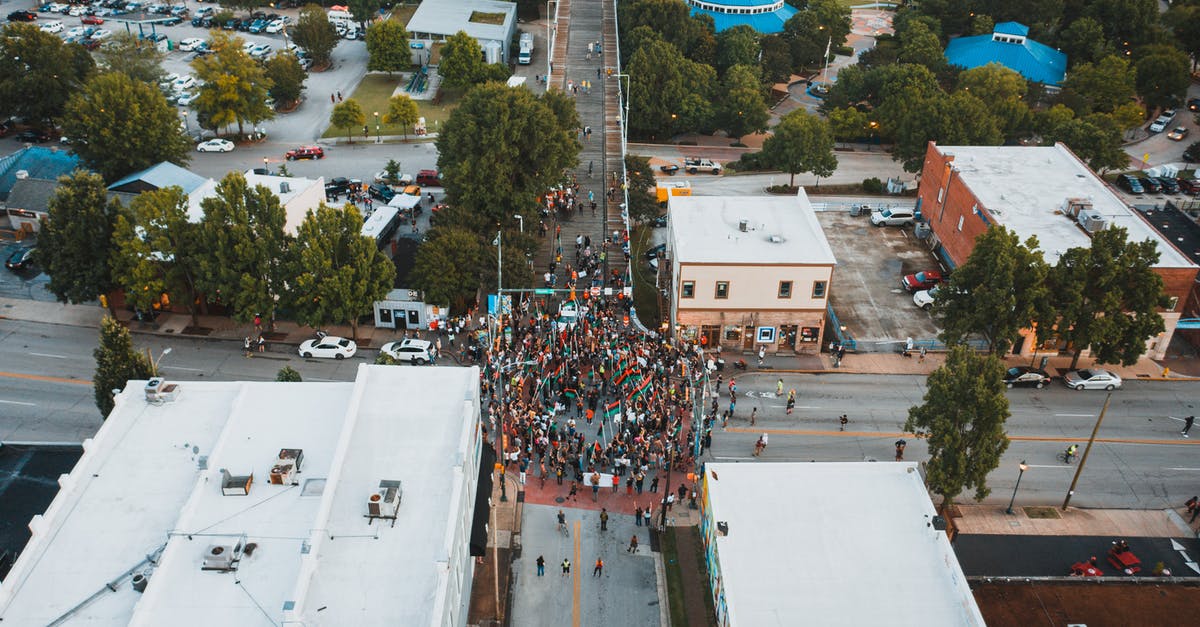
column 621, row 377
column 570, row 393
column 612, row 409
column 640, row 389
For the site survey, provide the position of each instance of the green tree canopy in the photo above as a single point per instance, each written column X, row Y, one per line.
column 1134, row 22
column 243, row 253
column 1102, row 86
column 315, row 34
column 737, row 46
column 963, row 420
column 75, row 242
column 363, row 11
column 1002, row 91
column 403, row 112
column 139, row 59
column 643, row 204
column 1106, row 297
column 337, row 274
column 691, row 36
column 847, row 124
column 39, row 73
column 1163, row 75
column 461, row 62
column 117, row 363
column 234, row 89
column 119, row 125
column 661, row 81
column 801, row 143
column 287, row 78
column 447, row 267
column 997, row 292
column 387, row 47
column 1083, row 41
column 1095, row 138
column 775, row 59
column 743, row 109
column 921, row 46
column 951, row 120
column 348, row 115
column 288, row 374
column 157, row 251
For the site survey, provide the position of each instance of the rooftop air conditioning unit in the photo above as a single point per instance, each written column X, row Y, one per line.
column 159, row 391
column 1093, row 222
column 284, row 187
column 744, row 225
column 385, row 502
column 287, row 466
column 219, row 557
column 235, row 485
column 1075, row 206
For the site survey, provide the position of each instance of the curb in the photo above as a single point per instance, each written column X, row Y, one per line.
column 660, row 584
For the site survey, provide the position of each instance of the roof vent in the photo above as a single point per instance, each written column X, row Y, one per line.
column 235, row 485
column 140, row 581
column 285, row 187
column 221, row 557
column 744, row 225
column 22, row 175
column 776, row 239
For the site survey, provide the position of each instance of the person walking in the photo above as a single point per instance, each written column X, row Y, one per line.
column 637, row 516
column 1187, row 425
column 762, row 355
column 791, row 401
column 616, row 481
column 633, row 542
column 603, row 519
column 779, row 388
column 654, row 485
column 842, row 422
column 900, row 450
column 541, row 566
column 753, row 416
column 599, row 569
column 566, row 567
column 246, row 346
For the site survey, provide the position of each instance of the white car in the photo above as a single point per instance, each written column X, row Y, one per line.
column 183, row 83
column 52, row 27
column 185, row 99
column 75, row 33
column 1160, row 124
column 261, row 51
column 275, row 27
column 101, row 33
column 328, row 347
column 189, row 44
column 215, row 145
column 924, row 298
column 58, row 7
column 1092, row 379
column 78, row 10
column 409, row 350
column 248, row 46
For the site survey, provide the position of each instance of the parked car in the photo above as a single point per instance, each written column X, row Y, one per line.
column 183, row 83
column 189, row 44
column 101, row 34
column 1092, row 379
column 669, row 169
column 921, row 280
column 1169, row 186
column 274, row 27
column 379, row 191
column 20, row 260
column 261, row 51
column 924, row 298
column 22, row 16
column 341, row 185
column 51, row 27
column 656, row 251
column 1131, row 183
column 75, row 32
column 1192, row 153
column 305, row 152
column 1151, row 185
column 1188, row 186
column 1177, row 134
column 893, row 216
column 328, row 347
column 1194, row 104
column 429, row 178
column 33, row 136
column 215, row 145
column 94, row 20
column 409, row 350
column 1025, row 377
column 1160, row 124
column 659, row 222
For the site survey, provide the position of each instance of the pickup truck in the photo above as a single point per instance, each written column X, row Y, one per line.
column 695, row 165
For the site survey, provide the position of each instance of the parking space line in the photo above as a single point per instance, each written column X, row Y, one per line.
column 18, row 403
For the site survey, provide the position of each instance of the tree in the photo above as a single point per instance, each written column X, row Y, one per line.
column 1163, row 76
column 138, row 59
column 661, row 80
column 75, row 241
column 1125, row 21
column 287, row 78
column 643, row 204
column 1083, row 41
column 737, row 46
column 801, row 143
column 288, row 374
column 337, row 274
column 1102, row 86
column 403, row 112
column 348, row 115
column 502, row 147
column 1095, row 138
column 1106, row 297
column 963, row 420
column 997, row 292
column 461, row 63
column 243, row 251
column 847, row 124
column 743, row 109
column 39, row 73
column 157, row 251
column 1185, row 23
column 363, row 11
column 315, row 34
column 120, row 125
column 776, row 59
column 117, row 363
column 387, row 47
column 234, row 89
column 920, row 45
column 1002, row 91
column 447, row 266
column 956, row 119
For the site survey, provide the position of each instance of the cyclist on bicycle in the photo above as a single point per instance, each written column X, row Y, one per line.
column 562, row 520
column 1070, row 452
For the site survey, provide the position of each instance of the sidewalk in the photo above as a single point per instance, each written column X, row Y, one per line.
column 1133, row 523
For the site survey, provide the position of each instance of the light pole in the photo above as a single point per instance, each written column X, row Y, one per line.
column 378, row 136
column 1020, row 474
column 265, row 170
column 186, row 127
column 520, row 220
column 154, row 362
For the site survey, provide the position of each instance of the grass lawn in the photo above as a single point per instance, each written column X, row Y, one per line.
column 373, row 93
column 480, row 17
column 403, row 13
column 670, row 557
column 645, row 292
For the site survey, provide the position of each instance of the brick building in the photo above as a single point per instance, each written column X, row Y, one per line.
column 1042, row 191
column 747, row 272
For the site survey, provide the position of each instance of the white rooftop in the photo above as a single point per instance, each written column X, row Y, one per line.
column 1023, row 187
column 447, row 17
column 149, row 484
column 296, row 194
column 844, row 544
column 780, row 230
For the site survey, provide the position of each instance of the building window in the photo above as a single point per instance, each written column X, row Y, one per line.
column 1172, row 303
column 785, row 289
column 689, row 289
column 960, row 222
column 722, row 290
column 818, row 289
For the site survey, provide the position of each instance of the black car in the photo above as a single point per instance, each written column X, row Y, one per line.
column 172, row 21
column 660, row 221
column 22, row 16
column 1025, row 377
column 669, row 169
column 1131, row 183
column 379, row 191
column 1151, row 184
column 1192, row 154
column 1194, row 104
column 340, row 186
column 1169, row 186
column 656, row 252
column 32, row 136
column 20, row 260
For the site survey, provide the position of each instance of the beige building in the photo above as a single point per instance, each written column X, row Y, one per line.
column 747, row 272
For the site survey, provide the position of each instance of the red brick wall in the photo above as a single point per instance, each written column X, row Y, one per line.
column 957, row 201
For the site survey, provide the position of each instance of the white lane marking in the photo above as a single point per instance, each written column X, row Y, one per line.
column 1195, row 469
column 49, row 355
column 18, row 403
column 1059, row 466
column 720, row 457
column 164, row 366
column 1076, row 415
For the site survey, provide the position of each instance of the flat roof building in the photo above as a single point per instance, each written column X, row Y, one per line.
column 764, row 16
column 746, row 272
column 263, row 503
column 846, row 544
column 436, row 20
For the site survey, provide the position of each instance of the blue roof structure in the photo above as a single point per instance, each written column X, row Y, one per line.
column 165, row 174
column 764, row 16
column 37, row 162
column 1008, row 46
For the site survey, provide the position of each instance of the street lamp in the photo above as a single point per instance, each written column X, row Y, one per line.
column 521, row 220
column 265, row 170
column 154, row 362
column 186, row 127
column 1023, row 468
column 378, row 137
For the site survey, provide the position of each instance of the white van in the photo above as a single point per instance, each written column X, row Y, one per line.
column 340, row 16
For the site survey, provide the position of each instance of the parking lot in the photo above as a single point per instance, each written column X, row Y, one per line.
column 866, row 293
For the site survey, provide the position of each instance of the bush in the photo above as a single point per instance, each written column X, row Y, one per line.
column 845, row 51
column 749, row 162
column 872, row 186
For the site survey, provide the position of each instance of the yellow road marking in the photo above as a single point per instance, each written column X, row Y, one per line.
column 38, row 377
column 897, row 434
column 575, row 610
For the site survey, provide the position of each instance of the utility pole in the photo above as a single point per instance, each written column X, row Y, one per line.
column 1083, row 460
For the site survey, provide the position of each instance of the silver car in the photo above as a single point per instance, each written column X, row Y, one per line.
column 1092, row 379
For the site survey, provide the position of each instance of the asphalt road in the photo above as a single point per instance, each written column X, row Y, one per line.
column 1052, row 556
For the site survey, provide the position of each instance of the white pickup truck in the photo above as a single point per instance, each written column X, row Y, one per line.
column 694, row 165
